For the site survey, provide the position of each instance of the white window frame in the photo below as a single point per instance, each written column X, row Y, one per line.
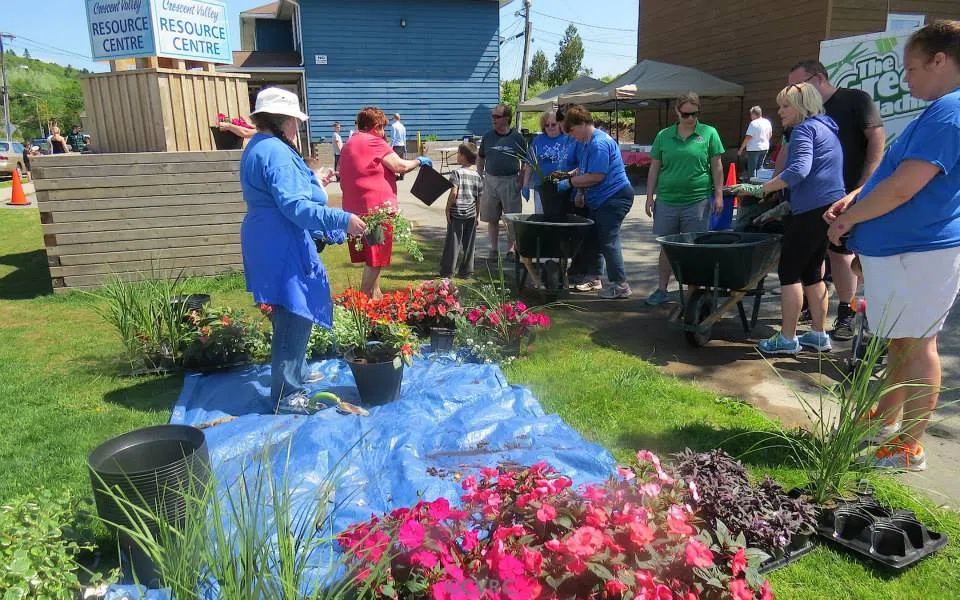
column 897, row 22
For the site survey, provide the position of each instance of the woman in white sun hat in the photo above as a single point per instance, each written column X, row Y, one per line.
column 286, row 208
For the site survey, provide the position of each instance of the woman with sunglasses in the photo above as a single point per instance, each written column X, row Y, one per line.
column 814, row 174
column 550, row 149
column 685, row 182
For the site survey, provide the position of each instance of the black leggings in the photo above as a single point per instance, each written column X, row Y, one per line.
column 804, row 248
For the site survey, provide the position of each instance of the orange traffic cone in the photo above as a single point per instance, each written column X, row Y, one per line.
column 18, row 198
column 732, row 180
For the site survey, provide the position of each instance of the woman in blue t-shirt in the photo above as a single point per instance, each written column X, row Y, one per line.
column 601, row 183
column 905, row 226
column 550, row 149
column 286, row 207
column 814, row 174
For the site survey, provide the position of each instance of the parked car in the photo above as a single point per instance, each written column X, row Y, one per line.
column 41, row 143
column 13, row 156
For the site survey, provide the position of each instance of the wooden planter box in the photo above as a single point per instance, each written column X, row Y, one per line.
column 160, row 110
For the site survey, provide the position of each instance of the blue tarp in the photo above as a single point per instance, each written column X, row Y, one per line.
column 451, row 418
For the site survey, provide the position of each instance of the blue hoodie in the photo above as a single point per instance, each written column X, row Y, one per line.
column 814, row 169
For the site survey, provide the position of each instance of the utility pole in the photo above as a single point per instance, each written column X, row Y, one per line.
column 6, row 97
column 525, row 75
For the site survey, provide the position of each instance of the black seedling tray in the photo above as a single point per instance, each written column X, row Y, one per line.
column 893, row 538
column 800, row 544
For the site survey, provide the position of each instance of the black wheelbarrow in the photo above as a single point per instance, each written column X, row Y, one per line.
column 728, row 265
column 545, row 246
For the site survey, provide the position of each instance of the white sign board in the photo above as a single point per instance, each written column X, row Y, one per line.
column 320, row 59
column 874, row 63
column 185, row 29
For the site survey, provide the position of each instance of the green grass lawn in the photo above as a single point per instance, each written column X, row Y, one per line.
column 64, row 391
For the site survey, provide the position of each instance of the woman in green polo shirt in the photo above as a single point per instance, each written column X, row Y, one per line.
column 685, row 182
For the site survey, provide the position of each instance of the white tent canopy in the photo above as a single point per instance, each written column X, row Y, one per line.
column 548, row 99
column 652, row 80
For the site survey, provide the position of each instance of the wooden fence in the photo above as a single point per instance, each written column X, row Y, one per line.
column 129, row 213
column 160, row 110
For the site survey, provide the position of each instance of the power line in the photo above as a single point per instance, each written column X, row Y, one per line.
column 634, row 30
column 49, row 48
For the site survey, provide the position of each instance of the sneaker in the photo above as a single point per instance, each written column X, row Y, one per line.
column 898, row 456
column 818, row 340
column 616, row 290
column 779, row 345
column 883, row 435
column 843, row 326
column 657, row 298
column 805, row 317
column 589, row 285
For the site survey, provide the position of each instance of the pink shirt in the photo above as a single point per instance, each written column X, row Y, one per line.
column 365, row 181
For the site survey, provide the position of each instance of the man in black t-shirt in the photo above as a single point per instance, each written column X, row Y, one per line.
column 862, row 139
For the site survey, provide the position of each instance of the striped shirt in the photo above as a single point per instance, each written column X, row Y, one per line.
column 469, row 184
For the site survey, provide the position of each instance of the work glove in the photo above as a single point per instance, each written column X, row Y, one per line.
column 563, row 186
column 425, row 161
column 745, row 189
column 525, row 192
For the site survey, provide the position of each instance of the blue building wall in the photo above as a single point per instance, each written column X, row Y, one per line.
column 440, row 72
column 274, row 35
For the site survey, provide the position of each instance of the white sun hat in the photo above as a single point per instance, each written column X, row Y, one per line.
column 279, row 102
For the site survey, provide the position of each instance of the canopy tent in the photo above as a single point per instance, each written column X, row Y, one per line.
column 651, row 80
column 548, row 99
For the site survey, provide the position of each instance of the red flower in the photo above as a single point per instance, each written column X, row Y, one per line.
column 765, row 592
column 546, row 514
column 677, row 521
column 585, row 541
column 411, row 534
column 739, row 562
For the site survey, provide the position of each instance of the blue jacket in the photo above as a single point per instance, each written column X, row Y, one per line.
column 814, row 169
column 285, row 205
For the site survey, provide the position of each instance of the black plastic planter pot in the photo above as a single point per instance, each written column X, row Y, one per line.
column 225, row 140
column 441, row 339
column 429, row 185
column 378, row 382
column 800, row 544
column 190, row 302
column 556, row 204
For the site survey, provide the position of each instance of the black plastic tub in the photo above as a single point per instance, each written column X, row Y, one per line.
column 429, row 185
column 151, row 468
column 539, row 236
column 190, row 302
column 556, row 204
column 723, row 259
column 225, row 140
column 441, row 339
column 377, row 382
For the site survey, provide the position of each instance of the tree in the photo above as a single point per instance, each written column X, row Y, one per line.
column 26, row 53
column 11, row 52
column 568, row 62
column 539, row 68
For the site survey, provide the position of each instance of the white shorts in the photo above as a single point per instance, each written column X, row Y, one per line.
column 909, row 295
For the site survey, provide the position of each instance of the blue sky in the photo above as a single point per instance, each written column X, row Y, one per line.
column 55, row 30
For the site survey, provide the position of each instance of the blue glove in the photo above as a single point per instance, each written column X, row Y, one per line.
column 425, row 161
column 525, row 192
column 564, row 186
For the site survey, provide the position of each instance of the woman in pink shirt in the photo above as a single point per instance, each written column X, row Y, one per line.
column 368, row 170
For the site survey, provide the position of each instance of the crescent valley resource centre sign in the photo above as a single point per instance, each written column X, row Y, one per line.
column 181, row 29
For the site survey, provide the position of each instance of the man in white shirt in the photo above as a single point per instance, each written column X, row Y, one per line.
column 756, row 142
column 398, row 138
column 337, row 147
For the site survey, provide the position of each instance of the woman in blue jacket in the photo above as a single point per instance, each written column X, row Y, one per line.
column 286, row 209
column 814, row 174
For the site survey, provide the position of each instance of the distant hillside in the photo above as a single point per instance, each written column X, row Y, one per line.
column 51, row 88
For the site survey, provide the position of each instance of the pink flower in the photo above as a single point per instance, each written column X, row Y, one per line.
column 694, row 492
column 648, row 457
column 470, row 540
column 640, row 534
column 677, row 521
column 740, row 590
column 698, row 555
column 585, row 541
column 439, row 509
column 662, row 592
column 596, row 517
column 411, row 534
column 651, row 489
column 532, row 561
column 546, row 514
column 424, row 558
column 469, row 484
column 554, row 545
column 594, row 493
column 474, row 315
column 626, row 473
column 739, row 562
column 765, row 592
column 506, row 482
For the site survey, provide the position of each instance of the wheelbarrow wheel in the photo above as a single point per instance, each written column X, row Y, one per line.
column 698, row 308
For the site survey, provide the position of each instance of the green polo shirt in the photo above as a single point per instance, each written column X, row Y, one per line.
column 685, row 164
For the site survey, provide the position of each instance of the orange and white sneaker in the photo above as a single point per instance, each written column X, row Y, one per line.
column 897, row 455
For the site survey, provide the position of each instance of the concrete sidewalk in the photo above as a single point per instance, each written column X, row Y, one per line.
column 729, row 365
column 7, row 192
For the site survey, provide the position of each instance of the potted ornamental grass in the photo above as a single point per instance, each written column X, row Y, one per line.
column 380, row 344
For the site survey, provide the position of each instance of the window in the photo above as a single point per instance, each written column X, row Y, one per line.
column 904, row 22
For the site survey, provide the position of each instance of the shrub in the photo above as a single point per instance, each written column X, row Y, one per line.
column 764, row 514
column 223, row 336
column 525, row 533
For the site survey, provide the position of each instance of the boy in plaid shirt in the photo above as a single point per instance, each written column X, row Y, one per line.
column 462, row 207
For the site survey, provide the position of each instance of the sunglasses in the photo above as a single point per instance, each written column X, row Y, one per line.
column 689, row 115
